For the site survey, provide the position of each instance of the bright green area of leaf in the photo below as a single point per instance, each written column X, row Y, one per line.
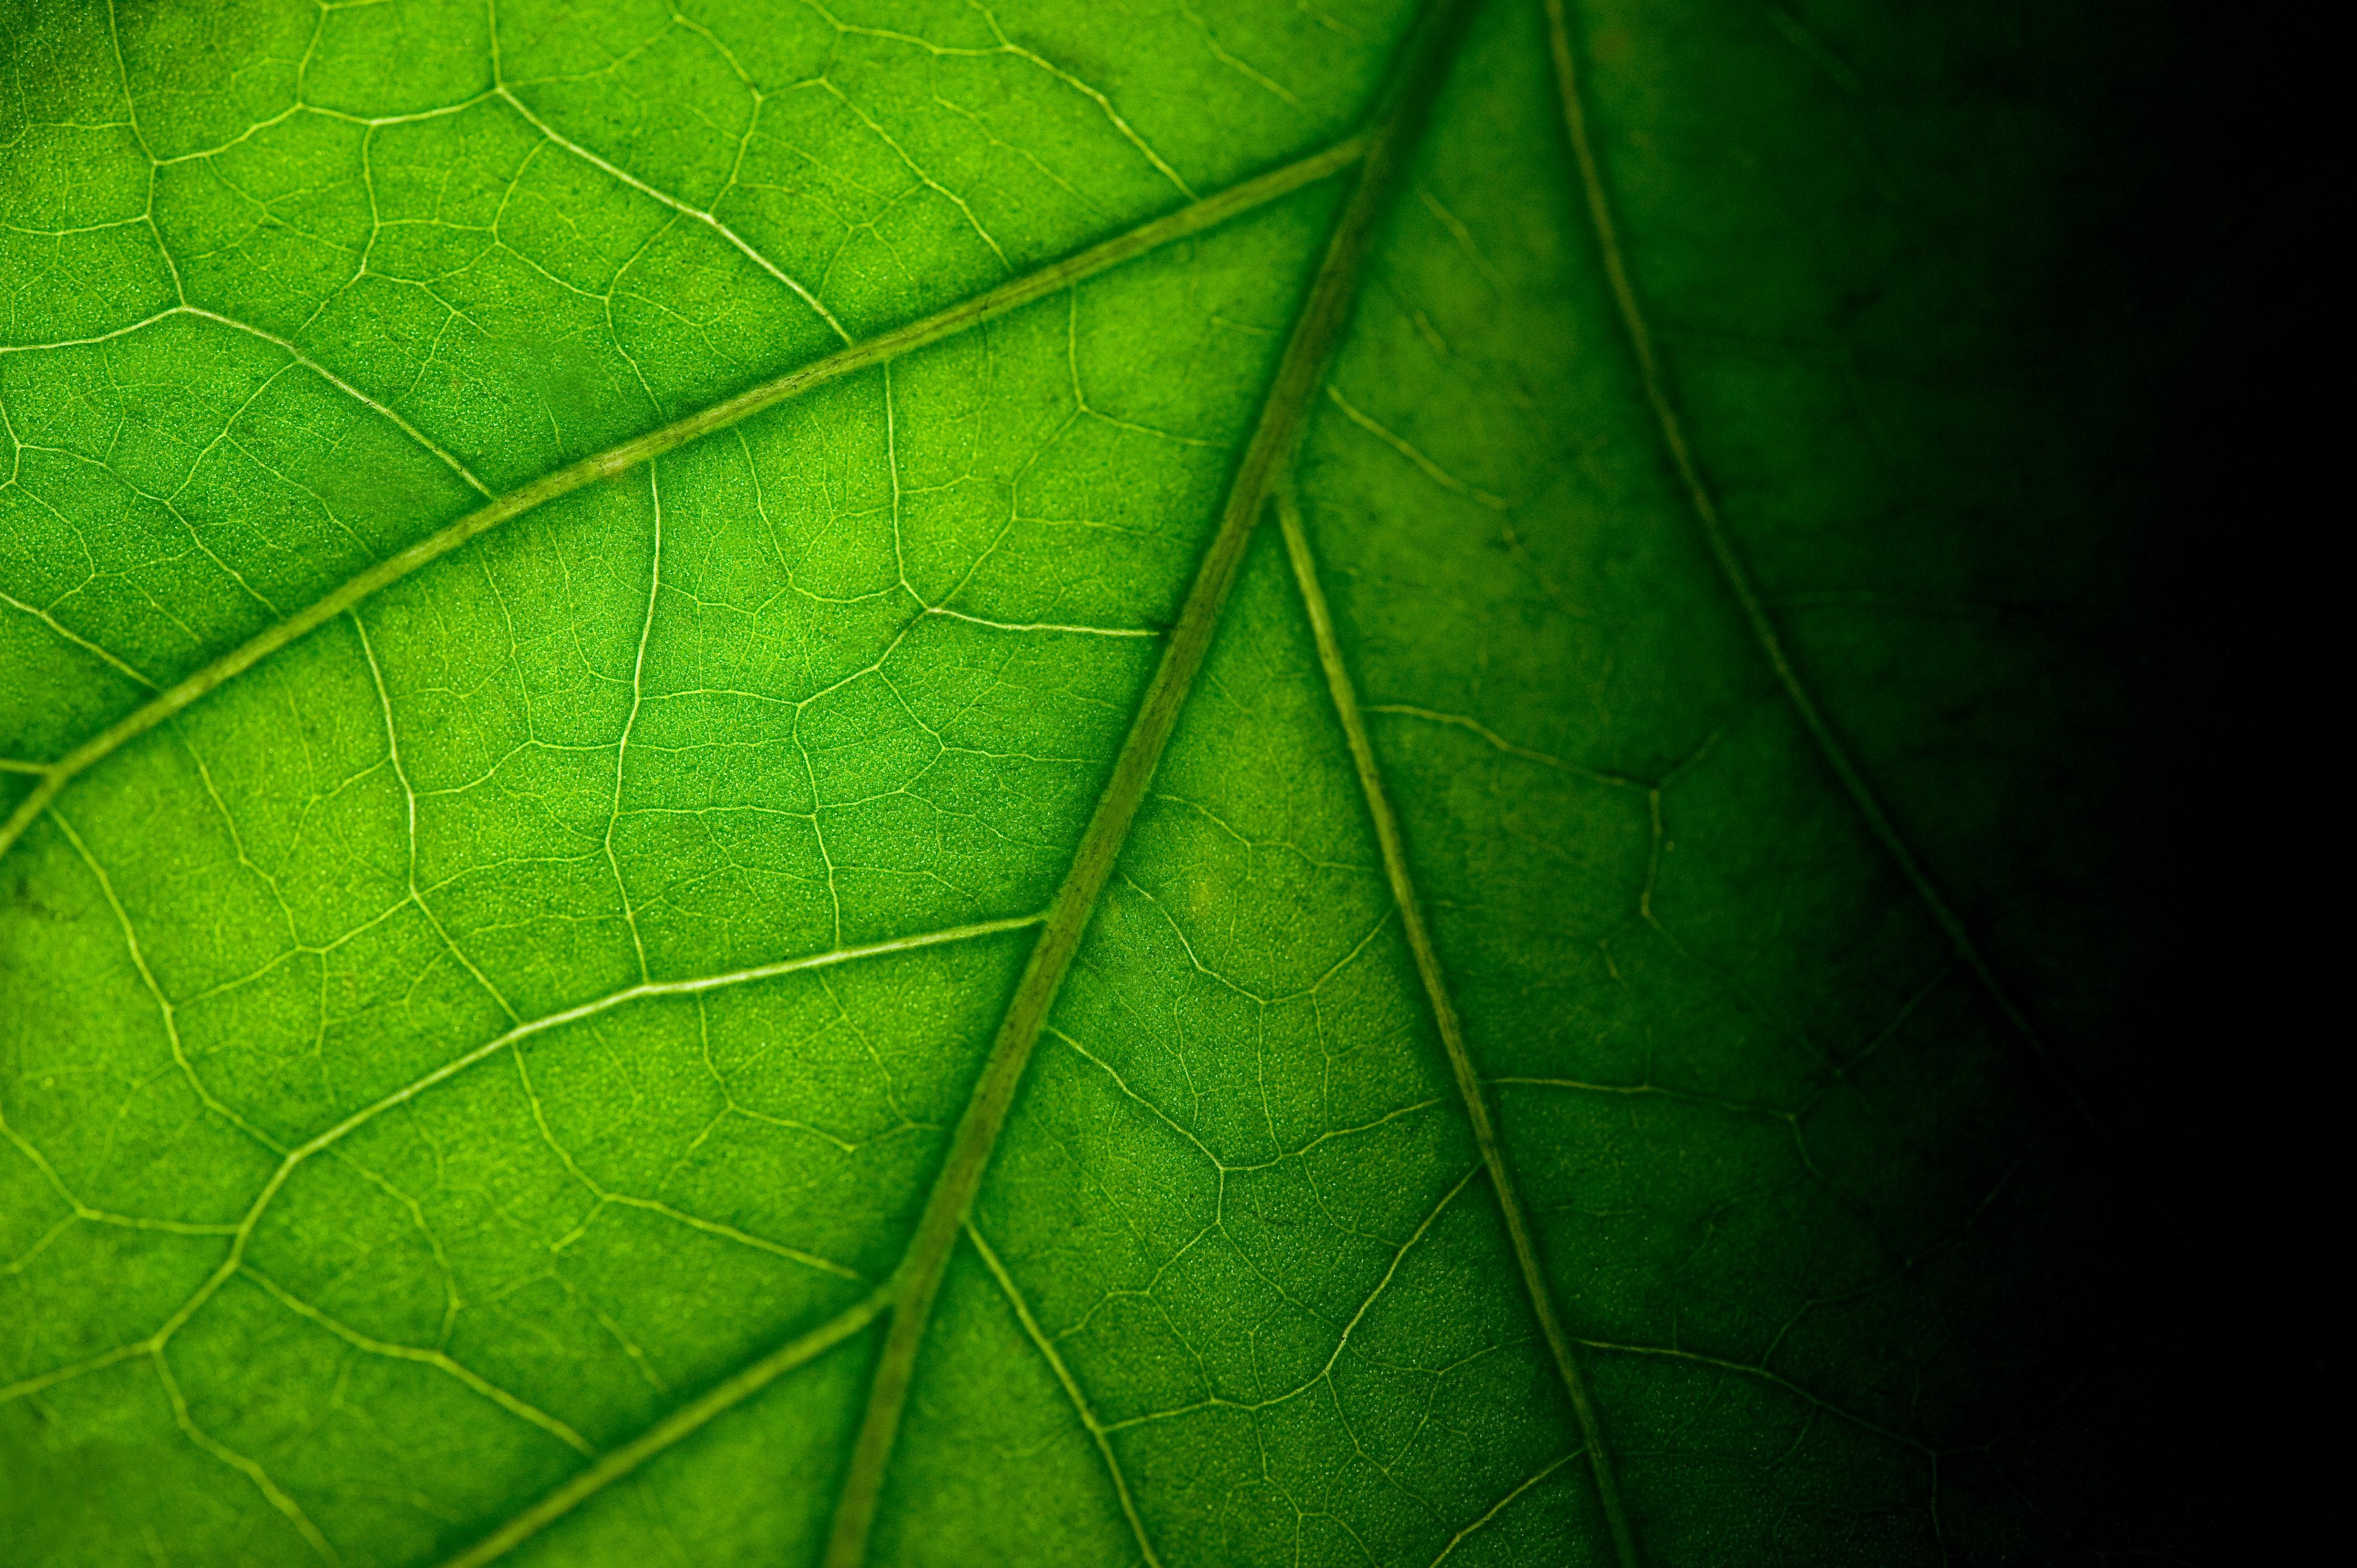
column 450, row 1065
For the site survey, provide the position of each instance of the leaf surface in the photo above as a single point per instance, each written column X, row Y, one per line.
column 937, row 784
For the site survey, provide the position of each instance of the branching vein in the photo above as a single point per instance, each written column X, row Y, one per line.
column 1396, row 124
column 881, row 349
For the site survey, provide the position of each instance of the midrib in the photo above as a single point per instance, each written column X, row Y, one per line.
column 1396, row 124
column 908, row 1298
column 909, row 1295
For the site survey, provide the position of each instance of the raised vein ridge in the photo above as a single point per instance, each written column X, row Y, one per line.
column 1012, row 294
column 1452, row 1034
column 1736, row 575
column 1396, row 124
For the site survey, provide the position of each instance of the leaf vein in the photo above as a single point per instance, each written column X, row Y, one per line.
column 996, row 302
column 1444, row 1009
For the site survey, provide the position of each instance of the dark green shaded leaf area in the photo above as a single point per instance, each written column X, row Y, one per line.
column 1603, row 1040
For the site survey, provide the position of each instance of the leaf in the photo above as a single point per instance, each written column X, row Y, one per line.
column 929, row 785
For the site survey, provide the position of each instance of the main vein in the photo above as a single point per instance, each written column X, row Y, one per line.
column 1010, row 295
column 1452, row 1032
column 1736, row 574
column 1397, row 121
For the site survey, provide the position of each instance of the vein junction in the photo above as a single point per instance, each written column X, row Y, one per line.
column 908, row 1294
column 802, row 780
column 615, row 461
column 50, row 779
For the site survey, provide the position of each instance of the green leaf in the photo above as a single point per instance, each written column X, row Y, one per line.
column 925, row 784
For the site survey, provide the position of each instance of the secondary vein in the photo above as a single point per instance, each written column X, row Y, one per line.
column 1736, row 575
column 1428, row 969
column 988, row 305
column 1072, row 1390
column 1397, row 124
column 291, row 1160
column 689, row 1418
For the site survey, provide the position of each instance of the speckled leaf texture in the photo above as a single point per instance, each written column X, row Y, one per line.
column 925, row 783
